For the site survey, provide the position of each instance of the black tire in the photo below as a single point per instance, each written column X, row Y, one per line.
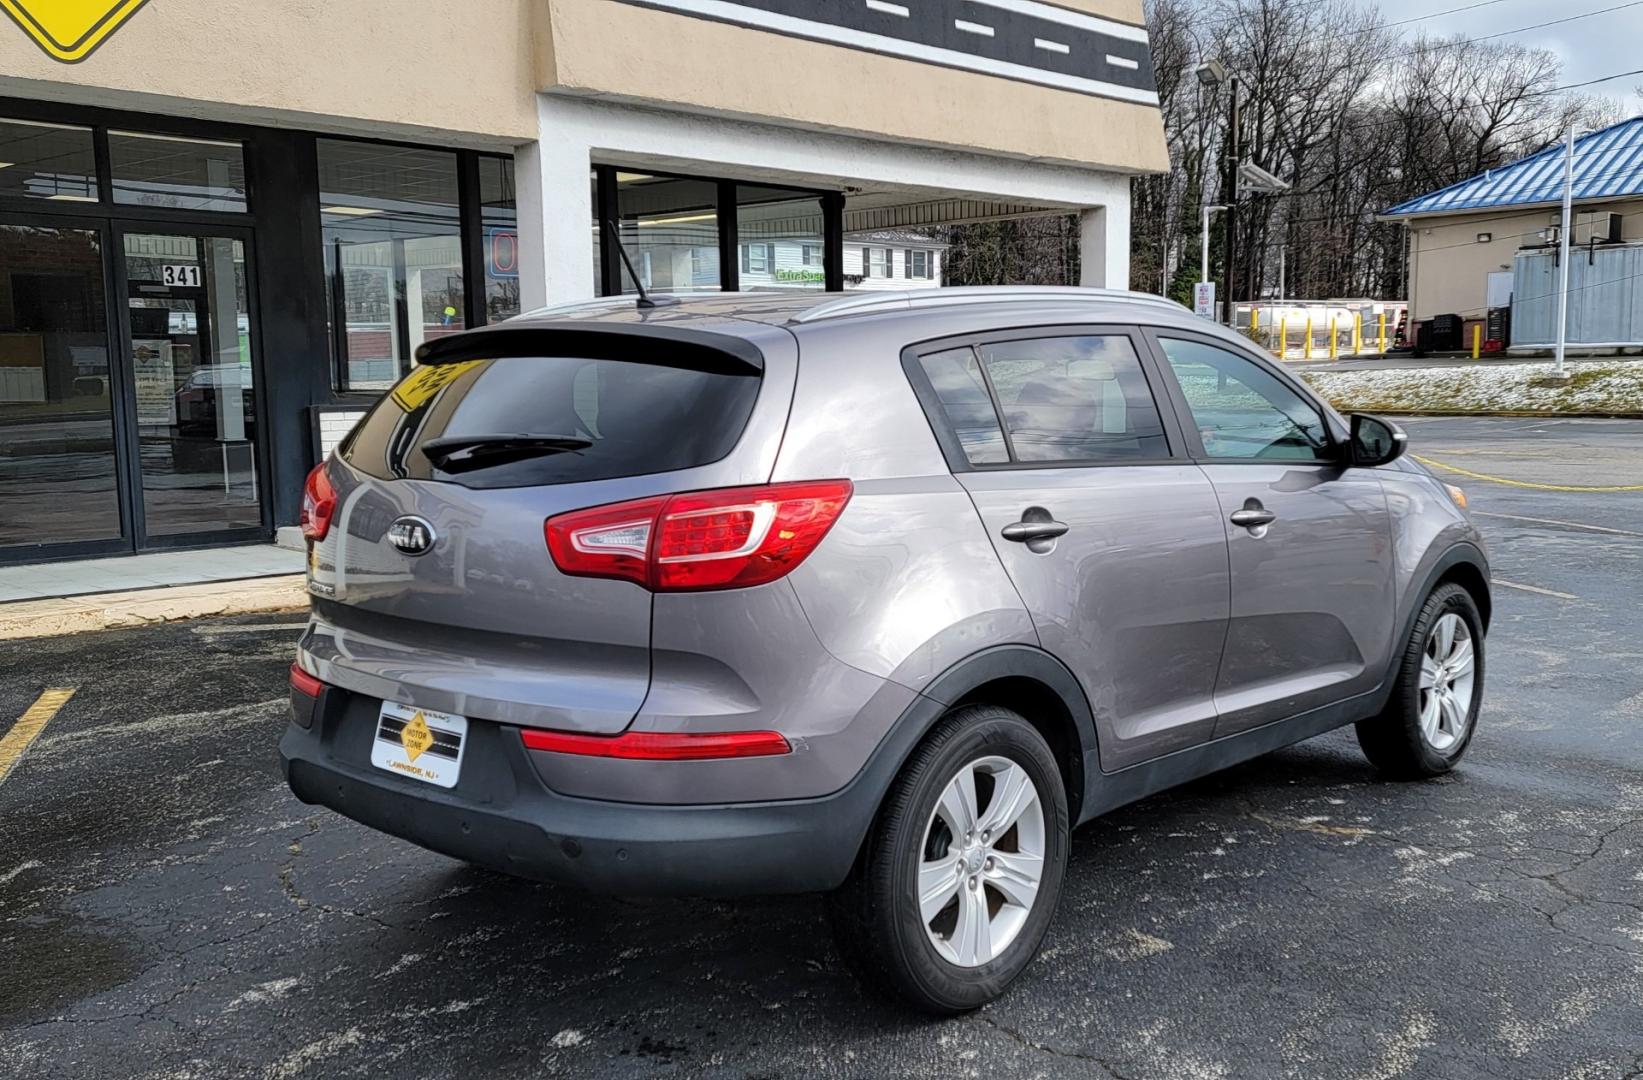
column 875, row 914
column 1393, row 741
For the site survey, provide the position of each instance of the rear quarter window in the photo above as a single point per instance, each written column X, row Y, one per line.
column 525, row 421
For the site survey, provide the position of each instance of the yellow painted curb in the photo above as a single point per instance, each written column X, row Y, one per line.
column 110, row 611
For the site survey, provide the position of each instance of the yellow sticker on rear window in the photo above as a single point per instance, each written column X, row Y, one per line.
column 424, row 384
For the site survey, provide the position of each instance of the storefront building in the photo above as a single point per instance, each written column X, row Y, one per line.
column 224, row 232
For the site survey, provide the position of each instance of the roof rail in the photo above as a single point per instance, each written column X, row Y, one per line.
column 878, row 302
column 569, row 306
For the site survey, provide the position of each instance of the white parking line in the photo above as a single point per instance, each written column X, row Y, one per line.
column 1554, row 521
column 249, row 628
column 1536, row 589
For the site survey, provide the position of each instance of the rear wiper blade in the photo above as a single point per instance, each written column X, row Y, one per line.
column 457, row 452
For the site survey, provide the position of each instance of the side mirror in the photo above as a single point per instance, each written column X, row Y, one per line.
column 1376, row 441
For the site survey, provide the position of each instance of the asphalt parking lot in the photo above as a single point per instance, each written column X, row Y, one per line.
column 168, row 909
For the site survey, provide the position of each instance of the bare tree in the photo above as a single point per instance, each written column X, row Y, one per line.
column 1355, row 115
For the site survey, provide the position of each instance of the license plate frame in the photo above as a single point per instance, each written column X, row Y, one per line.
column 420, row 744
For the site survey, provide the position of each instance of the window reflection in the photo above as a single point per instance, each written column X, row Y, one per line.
column 57, row 467
column 393, row 249
column 780, row 233
column 500, row 218
column 669, row 227
column 185, row 174
column 47, row 161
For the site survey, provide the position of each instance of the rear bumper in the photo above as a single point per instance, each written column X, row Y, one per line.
column 501, row 816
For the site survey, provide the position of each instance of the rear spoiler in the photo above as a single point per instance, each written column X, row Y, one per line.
column 639, row 343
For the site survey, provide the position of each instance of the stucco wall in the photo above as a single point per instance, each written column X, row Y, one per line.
column 381, row 67
column 1449, row 270
column 643, row 55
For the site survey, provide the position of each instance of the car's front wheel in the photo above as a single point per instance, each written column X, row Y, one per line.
column 962, row 870
column 1429, row 721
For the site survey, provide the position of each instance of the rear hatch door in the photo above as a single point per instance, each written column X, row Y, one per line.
column 495, row 432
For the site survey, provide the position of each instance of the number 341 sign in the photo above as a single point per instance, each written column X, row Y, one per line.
column 180, row 275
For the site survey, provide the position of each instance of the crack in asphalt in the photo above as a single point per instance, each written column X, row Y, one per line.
column 288, row 885
column 1551, row 879
column 1045, row 1048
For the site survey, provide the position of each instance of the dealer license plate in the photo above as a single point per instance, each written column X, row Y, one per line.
column 419, row 743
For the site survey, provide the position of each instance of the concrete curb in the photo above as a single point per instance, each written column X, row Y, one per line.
column 110, row 611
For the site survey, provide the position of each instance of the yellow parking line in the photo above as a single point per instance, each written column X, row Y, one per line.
column 1520, row 483
column 28, row 728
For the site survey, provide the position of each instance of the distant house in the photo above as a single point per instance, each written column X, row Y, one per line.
column 679, row 258
column 893, row 260
column 1491, row 242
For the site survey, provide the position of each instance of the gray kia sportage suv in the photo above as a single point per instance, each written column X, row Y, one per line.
column 878, row 595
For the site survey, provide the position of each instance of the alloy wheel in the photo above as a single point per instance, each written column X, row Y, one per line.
column 1448, row 674
column 982, row 861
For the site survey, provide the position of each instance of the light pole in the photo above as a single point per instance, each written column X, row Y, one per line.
column 1563, row 254
column 1203, row 259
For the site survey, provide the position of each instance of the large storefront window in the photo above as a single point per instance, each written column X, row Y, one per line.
column 47, row 161
column 669, row 227
column 183, row 174
column 780, row 234
column 57, row 448
column 393, row 251
column 678, row 232
column 499, row 216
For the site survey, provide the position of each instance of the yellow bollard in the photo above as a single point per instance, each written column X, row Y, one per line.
column 1357, row 333
column 1334, row 339
column 1283, row 338
column 1254, row 321
column 1477, row 340
column 1383, row 332
column 1308, row 353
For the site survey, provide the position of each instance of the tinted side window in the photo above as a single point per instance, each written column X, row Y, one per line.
column 1075, row 399
column 1240, row 409
column 956, row 377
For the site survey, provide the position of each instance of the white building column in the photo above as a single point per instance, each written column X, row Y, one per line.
column 555, row 222
column 1104, row 245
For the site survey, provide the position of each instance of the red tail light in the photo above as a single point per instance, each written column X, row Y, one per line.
column 319, row 502
column 730, row 538
column 661, row 745
column 305, row 683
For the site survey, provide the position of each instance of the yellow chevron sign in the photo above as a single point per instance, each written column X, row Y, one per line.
column 70, row 30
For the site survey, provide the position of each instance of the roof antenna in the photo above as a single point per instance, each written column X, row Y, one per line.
column 646, row 301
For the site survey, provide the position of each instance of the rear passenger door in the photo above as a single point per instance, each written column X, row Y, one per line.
column 1308, row 535
column 1110, row 533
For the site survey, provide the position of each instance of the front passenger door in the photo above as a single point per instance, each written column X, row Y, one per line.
column 1308, row 536
column 1127, row 585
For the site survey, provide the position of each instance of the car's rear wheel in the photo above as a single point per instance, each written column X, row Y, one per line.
column 1429, row 721
column 962, row 870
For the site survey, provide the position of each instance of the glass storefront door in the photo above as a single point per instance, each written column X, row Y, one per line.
column 189, row 338
column 58, row 458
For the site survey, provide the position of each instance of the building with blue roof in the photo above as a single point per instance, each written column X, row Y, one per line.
column 1466, row 241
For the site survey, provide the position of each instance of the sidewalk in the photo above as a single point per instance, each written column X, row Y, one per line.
column 49, row 599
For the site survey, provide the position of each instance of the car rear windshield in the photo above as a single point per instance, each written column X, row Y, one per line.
column 525, row 421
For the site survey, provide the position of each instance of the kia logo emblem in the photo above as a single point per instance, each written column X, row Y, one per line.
column 412, row 535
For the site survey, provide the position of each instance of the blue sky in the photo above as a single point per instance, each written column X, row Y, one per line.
column 1600, row 45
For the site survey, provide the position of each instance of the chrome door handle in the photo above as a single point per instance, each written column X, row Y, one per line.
column 1253, row 515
